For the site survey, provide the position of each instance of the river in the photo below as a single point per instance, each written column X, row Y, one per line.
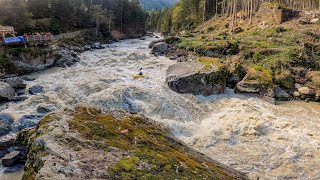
column 246, row 133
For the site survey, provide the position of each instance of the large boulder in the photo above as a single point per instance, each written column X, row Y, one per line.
column 275, row 14
column 155, row 42
column 66, row 58
column 36, row 89
column 16, row 82
column 11, row 158
column 160, row 48
column 87, row 142
column 5, row 124
column 196, row 78
column 282, row 95
column 248, row 87
column 7, row 92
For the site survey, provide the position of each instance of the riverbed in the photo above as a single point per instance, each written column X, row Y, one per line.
column 246, row 133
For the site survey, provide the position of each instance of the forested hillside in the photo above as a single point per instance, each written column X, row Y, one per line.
column 62, row 16
column 157, row 4
column 188, row 14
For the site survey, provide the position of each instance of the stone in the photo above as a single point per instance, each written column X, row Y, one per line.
column 5, row 124
column 193, row 77
column 14, row 168
column 16, row 82
column 296, row 94
column 274, row 14
column 66, row 58
column 43, row 110
column 7, row 141
column 3, row 152
column 160, row 48
column 7, row 92
column 315, row 20
column 245, row 86
column 26, row 121
column 280, row 94
column 11, row 158
column 304, row 90
column 20, row 92
column 36, row 89
column 155, row 42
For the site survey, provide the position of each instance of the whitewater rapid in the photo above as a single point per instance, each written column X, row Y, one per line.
column 246, row 133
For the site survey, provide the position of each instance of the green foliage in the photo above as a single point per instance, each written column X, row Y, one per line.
column 60, row 16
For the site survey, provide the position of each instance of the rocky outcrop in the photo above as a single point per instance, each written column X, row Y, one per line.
column 282, row 95
column 159, row 48
column 86, row 142
column 155, row 42
column 274, row 14
column 197, row 78
column 66, row 58
column 6, row 92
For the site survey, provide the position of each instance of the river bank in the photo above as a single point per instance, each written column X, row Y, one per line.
column 239, row 125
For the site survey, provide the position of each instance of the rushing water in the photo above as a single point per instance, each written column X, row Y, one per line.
column 248, row 134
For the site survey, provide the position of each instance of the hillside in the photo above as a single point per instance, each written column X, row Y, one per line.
column 157, row 4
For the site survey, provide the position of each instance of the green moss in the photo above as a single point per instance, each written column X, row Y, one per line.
column 147, row 143
column 210, row 63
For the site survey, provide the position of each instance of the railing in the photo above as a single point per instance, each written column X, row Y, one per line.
column 41, row 38
column 6, row 28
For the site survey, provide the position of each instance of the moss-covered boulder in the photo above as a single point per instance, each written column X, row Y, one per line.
column 206, row 76
column 86, row 143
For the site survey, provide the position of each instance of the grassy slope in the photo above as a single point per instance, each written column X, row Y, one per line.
column 268, row 54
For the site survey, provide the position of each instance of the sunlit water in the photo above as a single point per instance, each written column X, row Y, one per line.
column 248, row 134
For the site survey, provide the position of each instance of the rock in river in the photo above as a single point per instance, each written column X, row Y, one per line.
column 160, row 48
column 36, row 89
column 11, row 158
column 5, row 124
column 7, row 92
column 26, row 121
column 197, row 78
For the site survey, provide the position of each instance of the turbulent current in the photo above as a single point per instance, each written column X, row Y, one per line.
column 246, row 133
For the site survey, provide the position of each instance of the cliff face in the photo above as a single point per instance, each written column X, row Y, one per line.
column 88, row 143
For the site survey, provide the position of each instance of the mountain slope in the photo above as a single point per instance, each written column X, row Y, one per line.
column 157, row 4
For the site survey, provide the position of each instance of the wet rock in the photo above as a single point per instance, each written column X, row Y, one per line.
column 20, row 98
column 13, row 169
column 7, row 92
column 16, row 82
column 36, row 89
column 245, row 86
column 142, row 38
column 5, row 124
column 193, row 77
column 11, row 158
column 20, row 92
column 97, row 46
column 28, row 79
column 66, row 58
column 43, row 110
column 159, row 48
column 280, row 94
column 27, row 121
column 173, row 57
column 3, row 152
column 6, row 141
column 155, row 42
